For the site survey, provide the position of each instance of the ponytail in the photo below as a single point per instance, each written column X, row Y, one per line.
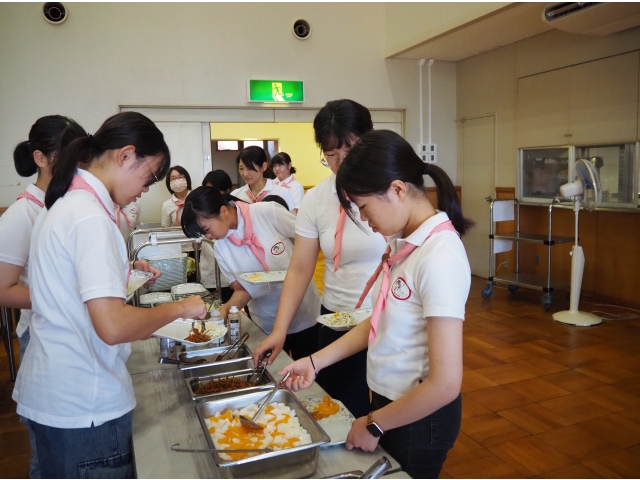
column 118, row 131
column 203, row 202
column 49, row 135
column 382, row 156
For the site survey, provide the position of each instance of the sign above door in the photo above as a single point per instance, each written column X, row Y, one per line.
column 275, row 91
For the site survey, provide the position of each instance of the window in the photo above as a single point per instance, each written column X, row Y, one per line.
column 224, row 145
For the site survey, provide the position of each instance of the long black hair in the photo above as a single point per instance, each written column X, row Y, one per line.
column 282, row 158
column 218, row 179
column 50, row 135
column 118, row 131
column 182, row 171
column 382, row 156
column 340, row 123
column 203, row 202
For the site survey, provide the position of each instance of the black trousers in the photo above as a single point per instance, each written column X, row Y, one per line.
column 421, row 447
column 347, row 379
column 302, row 344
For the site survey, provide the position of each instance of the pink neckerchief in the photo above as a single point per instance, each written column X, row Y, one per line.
column 31, row 198
column 120, row 213
column 286, row 185
column 180, row 204
column 385, row 266
column 79, row 183
column 249, row 237
column 338, row 239
column 259, row 197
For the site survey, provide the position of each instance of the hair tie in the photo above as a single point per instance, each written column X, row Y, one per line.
column 426, row 169
column 91, row 142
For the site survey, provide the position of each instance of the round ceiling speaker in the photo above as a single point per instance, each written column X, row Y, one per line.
column 54, row 12
column 301, row 29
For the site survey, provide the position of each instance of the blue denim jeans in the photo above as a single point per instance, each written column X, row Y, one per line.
column 94, row 452
column 421, row 447
column 34, row 470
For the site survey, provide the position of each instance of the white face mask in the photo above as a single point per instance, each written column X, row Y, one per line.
column 179, row 185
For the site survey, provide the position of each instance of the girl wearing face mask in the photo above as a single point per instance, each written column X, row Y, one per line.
column 252, row 164
column 282, row 168
column 179, row 184
column 254, row 237
column 47, row 137
column 73, row 384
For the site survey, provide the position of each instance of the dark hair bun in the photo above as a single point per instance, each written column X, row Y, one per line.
column 23, row 160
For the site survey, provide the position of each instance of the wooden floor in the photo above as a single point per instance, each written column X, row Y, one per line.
column 540, row 400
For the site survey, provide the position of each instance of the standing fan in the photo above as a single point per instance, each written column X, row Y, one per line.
column 585, row 190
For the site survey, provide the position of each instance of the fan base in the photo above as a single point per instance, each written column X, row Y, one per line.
column 579, row 319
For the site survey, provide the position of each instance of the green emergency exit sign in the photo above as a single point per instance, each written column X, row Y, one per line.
column 279, row 91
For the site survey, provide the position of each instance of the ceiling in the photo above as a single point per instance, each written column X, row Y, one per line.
column 513, row 23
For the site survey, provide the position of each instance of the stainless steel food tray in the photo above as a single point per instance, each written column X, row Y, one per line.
column 242, row 357
column 296, row 462
column 265, row 382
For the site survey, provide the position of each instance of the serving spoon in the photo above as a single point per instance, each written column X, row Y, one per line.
column 251, row 423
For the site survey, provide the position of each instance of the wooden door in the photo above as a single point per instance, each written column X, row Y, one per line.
column 478, row 182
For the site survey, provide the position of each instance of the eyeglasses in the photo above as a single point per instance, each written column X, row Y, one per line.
column 155, row 179
column 336, row 157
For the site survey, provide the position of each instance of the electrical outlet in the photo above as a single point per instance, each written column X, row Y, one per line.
column 427, row 152
column 536, row 259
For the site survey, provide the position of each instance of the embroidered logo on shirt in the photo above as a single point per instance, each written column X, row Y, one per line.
column 277, row 249
column 400, row 289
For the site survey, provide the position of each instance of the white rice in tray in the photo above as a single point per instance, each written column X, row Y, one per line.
column 282, row 430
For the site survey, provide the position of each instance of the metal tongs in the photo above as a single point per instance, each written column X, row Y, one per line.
column 175, row 448
column 257, row 374
column 238, row 343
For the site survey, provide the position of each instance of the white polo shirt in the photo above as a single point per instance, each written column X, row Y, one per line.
column 270, row 188
column 275, row 229
column 360, row 253
column 433, row 281
column 70, row 377
column 295, row 189
column 169, row 209
column 16, row 225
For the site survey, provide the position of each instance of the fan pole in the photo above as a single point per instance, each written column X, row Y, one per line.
column 573, row 316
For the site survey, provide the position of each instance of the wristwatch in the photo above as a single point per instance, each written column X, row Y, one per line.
column 373, row 427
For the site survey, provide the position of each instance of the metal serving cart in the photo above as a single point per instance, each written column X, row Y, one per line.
column 518, row 279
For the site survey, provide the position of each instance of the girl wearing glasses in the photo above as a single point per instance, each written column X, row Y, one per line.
column 351, row 251
column 47, row 137
column 73, row 384
column 252, row 164
column 414, row 336
column 179, row 185
column 282, row 168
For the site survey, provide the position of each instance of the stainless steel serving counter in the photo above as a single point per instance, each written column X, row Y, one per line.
column 165, row 415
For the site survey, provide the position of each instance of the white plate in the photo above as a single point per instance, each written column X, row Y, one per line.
column 258, row 278
column 137, row 279
column 360, row 314
column 337, row 425
column 179, row 329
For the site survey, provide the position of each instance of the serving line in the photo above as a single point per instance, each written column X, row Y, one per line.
column 166, row 415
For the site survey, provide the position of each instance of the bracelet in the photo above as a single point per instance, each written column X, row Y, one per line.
column 313, row 365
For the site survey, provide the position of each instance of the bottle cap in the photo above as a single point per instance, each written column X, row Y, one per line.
column 233, row 309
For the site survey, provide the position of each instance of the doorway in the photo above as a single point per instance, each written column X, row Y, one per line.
column 478, row 183
column 225, row 151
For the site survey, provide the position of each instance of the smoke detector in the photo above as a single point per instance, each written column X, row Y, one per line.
column 301, row 29
column 54, row 12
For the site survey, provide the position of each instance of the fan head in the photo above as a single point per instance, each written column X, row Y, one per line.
column 586, row 186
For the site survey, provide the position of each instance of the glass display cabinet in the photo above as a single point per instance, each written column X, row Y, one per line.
column 541, row 172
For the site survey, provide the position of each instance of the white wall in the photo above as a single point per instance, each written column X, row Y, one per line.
column 111, row 54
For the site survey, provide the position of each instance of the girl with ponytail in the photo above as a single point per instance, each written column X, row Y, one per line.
column 73, row 384
column 414, row 336
column 47, row 137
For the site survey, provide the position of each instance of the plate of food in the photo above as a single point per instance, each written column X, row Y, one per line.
column 342, row 321
column 181, row 330
column 137, row 278
column 258, row 278
column 332, row 415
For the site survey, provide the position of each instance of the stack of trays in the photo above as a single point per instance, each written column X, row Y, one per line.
column 149, row 300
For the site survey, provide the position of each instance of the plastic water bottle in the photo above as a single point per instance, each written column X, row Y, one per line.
column 217, row 320
column 234, row 324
